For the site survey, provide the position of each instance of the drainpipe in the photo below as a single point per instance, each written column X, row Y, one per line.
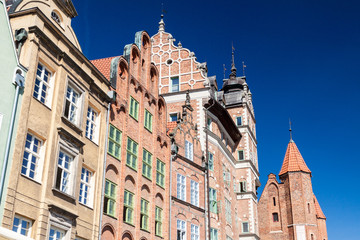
column 112, row 96
column 19, row 83
column 174, row 151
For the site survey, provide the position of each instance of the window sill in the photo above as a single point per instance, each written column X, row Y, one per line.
column 111, row 216
column 134, row 118
column 74, row 127
column 130, row 224
column 150, row 131
column 31, row 179
column 160, row 186
column 131, row 167
column 119, row 159
column 63, row 195
column 42, row 103
column 92, row 141
column 145, row 230
column 159, row 236
column 87, row 206
column 147, row 178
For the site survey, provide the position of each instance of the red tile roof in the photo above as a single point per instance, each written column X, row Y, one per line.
column 170, row 126
column 104, row 65
column 293, row 161
column 319, row 212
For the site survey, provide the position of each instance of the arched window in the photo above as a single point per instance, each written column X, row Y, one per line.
column 55, row 16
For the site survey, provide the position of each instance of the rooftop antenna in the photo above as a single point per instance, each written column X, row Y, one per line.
column 224, row 70
column 244, row 66
column 291, row 140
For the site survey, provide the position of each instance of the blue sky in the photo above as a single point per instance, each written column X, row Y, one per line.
column 302, row 60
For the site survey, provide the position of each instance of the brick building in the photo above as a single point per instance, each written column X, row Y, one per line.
column 136, row 195
column 288, row 209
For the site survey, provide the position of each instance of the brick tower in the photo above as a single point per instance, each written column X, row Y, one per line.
column 289, row 209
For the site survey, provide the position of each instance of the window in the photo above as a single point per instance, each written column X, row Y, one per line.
column 234, row 184
column 158, row 221
column 91, row 125
column 226, row 176
column 308, row 205
column 22, row 225
column 312, row 236
column 245, row 227
column 114, row 142
column 128, row 207
column 64, row 173
column 175, row 84
column 144, row 216
column 242, row 186
column 195, row 232
column 274, row 201
column 134, row 108
column 148, row 120
column 30, row 164
column 85, row 196
column 213, row 202
column 189, row 150
column 194, row 193
column 160, row 173
column 147, row 164
column 228, row 210
column 213, row 234
column 56, row 233
column 56, row 17
column 181, row 187
column 238, row 121
column 109, row 198
column 43, row 84
column 275, row 217
column 240, row 155
column 72, row 105
column 173, row 117
column 209, row 124
column 181, row 230
column 131, row 156
column 211, row 161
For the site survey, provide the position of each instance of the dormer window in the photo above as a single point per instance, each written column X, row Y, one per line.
column 56, row 17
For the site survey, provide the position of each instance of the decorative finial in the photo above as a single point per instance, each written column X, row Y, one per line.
column 244, row 66
column 224, row 70
column 291, row 140
column 187, row 101
column 233, row 68
column 162, row 24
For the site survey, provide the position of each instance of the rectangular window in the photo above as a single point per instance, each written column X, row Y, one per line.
column 242, row 186
column 194, row 193
column 114, row 142
column 64, row 173
column 175, row 84
column 132, row 151
column 86, row 189
column 213, row 201
column 92, row 125
column 240, row 155
column 31, row 159
column 245, row 227
column 275, row 217
column 195, row 235
column 128, row 207
column 209, row 124
column 234, row 184
column 181, row 187
column 72, row 105
column 147, row 164
column 134, row 108
column 213, row 234
column 226, row 176
column 56, row 233
column 22, row 225
column 238, row 121
column 181, row 230
column 228, row 210
column 158, row 221
column 110, row 198
column 160, row 173
column 173, row 117
column 211, row 161
column 148, row 120
column 189, row 150
column 42, row 87
column 144, row 214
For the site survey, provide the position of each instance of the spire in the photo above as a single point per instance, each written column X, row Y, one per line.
column 293, row 161
column 291, row 140
column 233, row 68
column 162, row 24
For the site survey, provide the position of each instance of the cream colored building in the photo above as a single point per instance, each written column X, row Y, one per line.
column 56, row 176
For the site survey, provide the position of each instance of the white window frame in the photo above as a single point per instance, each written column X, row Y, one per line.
column 181, row 226
column 59, row 230
column 92, row 124
column 172, row 85
column 228, row 211
column 189, row 150
column 211, row 162
column 181, row 187
column 86, row 181
column 173, row 114
column 20, row 226
column 194, row 193
column 70, row 170
column 60, row 223
column 209, row 124
column 78, row 104
column 31, row 153
column 42, row 82
column 195, row 233
column 214, row 234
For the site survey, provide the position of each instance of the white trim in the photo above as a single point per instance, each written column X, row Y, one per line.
column 8, row 234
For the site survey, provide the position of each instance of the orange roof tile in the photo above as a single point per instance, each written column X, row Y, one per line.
column 293, row 161
column 170, row 126
column 104, row 65
column 319, row 212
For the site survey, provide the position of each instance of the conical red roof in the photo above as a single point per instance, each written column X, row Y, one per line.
column 293, row 161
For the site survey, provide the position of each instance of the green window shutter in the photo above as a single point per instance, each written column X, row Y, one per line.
column 114, row 142
column 132, row 151
column 160, row 173
column 147, row 164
